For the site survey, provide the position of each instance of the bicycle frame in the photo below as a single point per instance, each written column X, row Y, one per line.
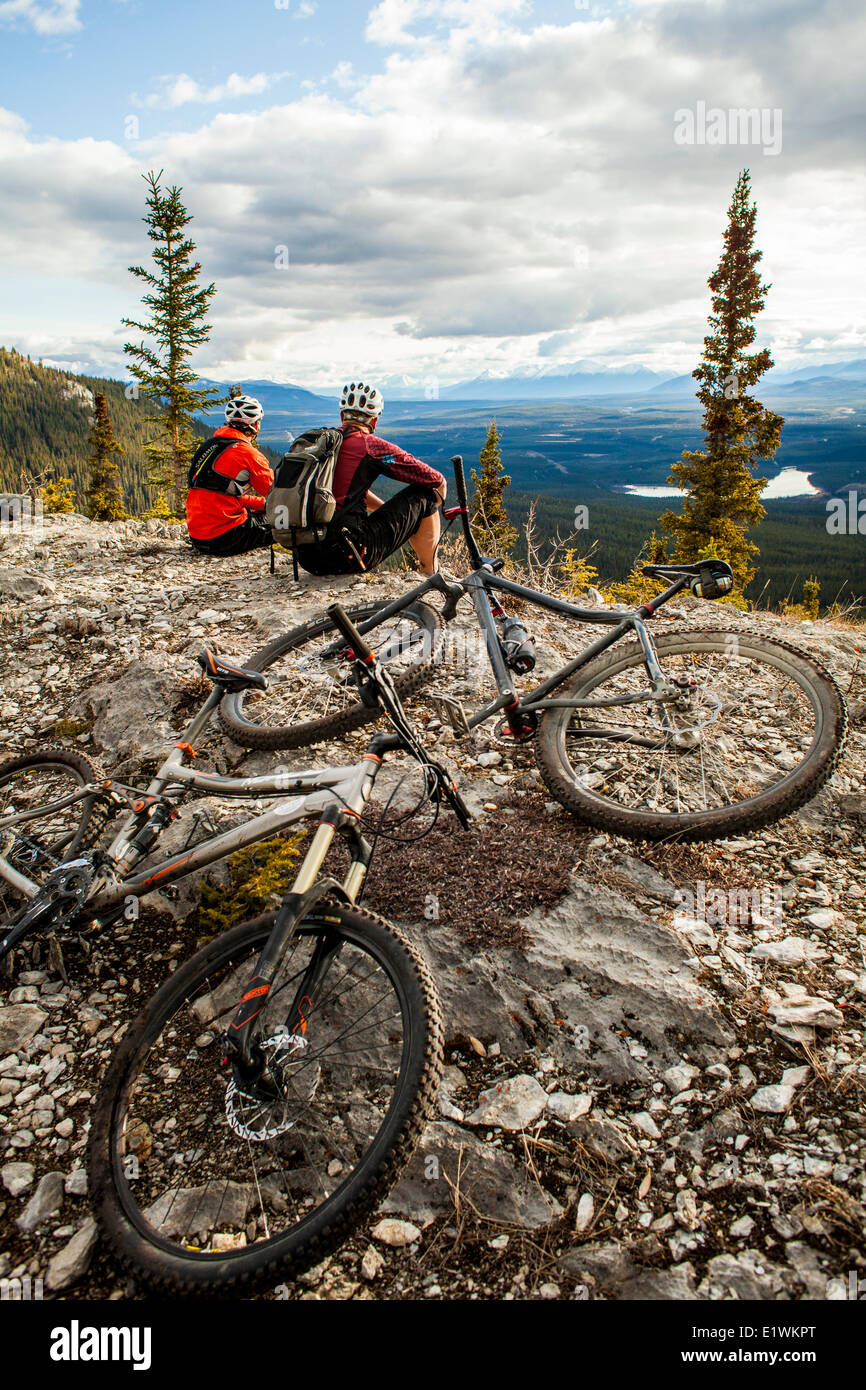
column 338, row 795
column 478, row 585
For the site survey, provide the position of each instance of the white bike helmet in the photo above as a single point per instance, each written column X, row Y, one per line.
column 243, row 410
column 362, row 400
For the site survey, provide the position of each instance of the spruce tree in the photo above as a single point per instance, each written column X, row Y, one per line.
column 177, row 325
column 723, row 498
column 104, row 494
column 489, row 517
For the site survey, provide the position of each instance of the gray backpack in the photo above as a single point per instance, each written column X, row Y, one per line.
column 301, row 502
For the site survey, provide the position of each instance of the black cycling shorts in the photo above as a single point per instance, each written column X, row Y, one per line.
column 252, row 534
column 375, row 537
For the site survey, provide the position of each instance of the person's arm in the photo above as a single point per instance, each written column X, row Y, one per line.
column 261, row 479
column 373, row 502
column 397, row 463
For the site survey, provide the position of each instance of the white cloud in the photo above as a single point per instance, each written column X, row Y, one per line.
column 181, row 89
column 45, row 16
column 391, row 22
column 481, row 200
column 306, row 9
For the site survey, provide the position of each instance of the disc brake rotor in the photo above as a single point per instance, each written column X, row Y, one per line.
column 258, row 1118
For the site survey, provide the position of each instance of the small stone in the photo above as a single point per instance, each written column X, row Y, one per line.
column 687, row 1209
column 823, row 919
column 792, row 950
column 395, row 1233
column 45, row 1202
column 512, row 1104
column 17, row 1177
column 371, row 1264
column 549, row 1291
column 585, row 1211
column 76, row 1183
column 65, row 1128
column 679, row 1078
column 646, row 1124
column 24, row 994
column 565, row 1107
column 796, row 1076
column 71, row 1263
column 447, row 1109
column 773, row 1100
column 742, row 1228
column 18, row 1024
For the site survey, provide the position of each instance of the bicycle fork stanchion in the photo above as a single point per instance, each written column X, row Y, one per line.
column 307, row 890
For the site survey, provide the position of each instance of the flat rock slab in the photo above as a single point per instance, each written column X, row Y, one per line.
column 182, row 1211
column 596, row 971
column 453, row 1165
column 608, row 1271
column 749, row 1276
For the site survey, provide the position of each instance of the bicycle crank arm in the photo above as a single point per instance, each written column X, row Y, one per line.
column 34, row 917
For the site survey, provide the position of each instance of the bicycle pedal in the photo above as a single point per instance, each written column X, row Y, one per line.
column 449, row 710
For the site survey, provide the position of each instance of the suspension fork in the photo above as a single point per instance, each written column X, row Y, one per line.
column 328, row 946
column 305, row 892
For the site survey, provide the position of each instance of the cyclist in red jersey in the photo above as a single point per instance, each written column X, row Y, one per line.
column 223, row 516
column 376, row 528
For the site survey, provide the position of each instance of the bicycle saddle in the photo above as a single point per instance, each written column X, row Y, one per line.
column 231, row 678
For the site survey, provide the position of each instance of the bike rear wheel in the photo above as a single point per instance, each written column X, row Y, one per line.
column 765, row 722
column 36, row 846
column 312, row 695
column 199, row 1187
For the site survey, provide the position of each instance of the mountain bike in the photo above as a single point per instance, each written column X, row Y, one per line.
column 275, row 1086
column 689, row 735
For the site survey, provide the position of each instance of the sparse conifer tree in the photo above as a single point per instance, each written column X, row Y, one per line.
column 723, row 497
column 489, row 517
column 177, row 326
column 104, row 493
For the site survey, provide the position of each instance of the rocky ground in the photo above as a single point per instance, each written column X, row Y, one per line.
column 656, row 1064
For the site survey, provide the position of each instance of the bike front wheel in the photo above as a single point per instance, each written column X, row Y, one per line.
column 312, row 694
column 201, row 1186
column 757, row 729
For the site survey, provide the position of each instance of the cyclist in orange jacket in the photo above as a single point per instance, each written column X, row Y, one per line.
column 223, row 515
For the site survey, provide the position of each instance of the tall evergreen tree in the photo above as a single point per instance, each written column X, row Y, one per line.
column 104, row 493
column 489, row 516
column 177, row 325
column 723, row 498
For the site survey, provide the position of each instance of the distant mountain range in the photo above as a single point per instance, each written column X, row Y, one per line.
column 830, row 382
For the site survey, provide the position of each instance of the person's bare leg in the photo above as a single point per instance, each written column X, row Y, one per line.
column 425, row 541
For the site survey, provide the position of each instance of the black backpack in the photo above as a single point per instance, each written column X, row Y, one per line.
column 203, row 474
column 301, row 502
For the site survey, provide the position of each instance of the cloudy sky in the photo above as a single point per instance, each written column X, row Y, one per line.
column 459, row 185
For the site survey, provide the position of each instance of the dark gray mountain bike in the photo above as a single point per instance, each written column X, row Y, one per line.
column 689, row 735
column 273, row 1089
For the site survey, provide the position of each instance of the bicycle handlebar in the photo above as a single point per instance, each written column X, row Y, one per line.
column 344, row 625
